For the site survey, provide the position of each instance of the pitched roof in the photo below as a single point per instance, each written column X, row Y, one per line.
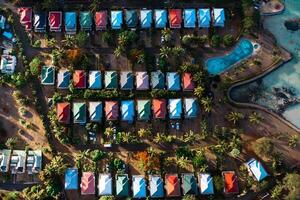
column 143, row 109
column 48, row 75
column 172, row 185
column 187, row 82
column 79, row 79
column 34, row 161
column 219, row 17
column 131, row 18
column 157, row 80
column 127, row 110
column 55, row 18
column 70, row 22
column 111, row 79
column 63, row 112
column 105, row 184
column 206, row 184
column 122, row 185
column 25, row 17
column 85, row 20
column 189, row 18
column 257, row 169
column 175, row 18
column 87, row 183
column 95, row 111
column 159, row 108
column 138, row 186
column 95, row 79
column 191, row 107
column 63, row 79
column 204, row 18
column 189, row 184
column 40, row 21
column 160, row 17
column 156, row 186
column 71, row 179
column 4, row 160
column 8, row 64
column 231, row 182
column 142, row 80
column 111, row 110
column 126, row 80
column 101, row 19
column 175, row 108
column 79, row 112
column 116, row 19
column 2, row 22
column 146, row 18
column 17, row 161
column 173, row 81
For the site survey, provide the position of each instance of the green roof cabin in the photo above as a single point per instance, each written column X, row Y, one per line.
column 144, row 109
column 189, row 184
column 85, row 19
column 79, row 113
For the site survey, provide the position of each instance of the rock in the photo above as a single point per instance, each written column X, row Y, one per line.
column 292, row 24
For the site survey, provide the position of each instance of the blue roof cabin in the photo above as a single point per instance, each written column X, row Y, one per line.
column 161, row 18
column 2, row 22
column 126, row 80
column 70, row 22
column 191, row 108
column 116, row 19
column 71, row 179
column 95, row 111
column 219, row 17
column 139, row 187
column 39, row 22
column 157, row 80
column 156, row 186
column 146, row 18
column 256, row 168
column 173, row 81
column 189, row 17
column 206, row 185
column 63, row 79
column 95, row 79
column 131, row 18
column 48, row 75
column 204, row 18
column 175, row 108
column 127, row 110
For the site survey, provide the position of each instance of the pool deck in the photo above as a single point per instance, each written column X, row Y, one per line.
column 266, row 69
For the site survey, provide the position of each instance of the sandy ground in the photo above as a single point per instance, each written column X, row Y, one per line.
column 9, row 118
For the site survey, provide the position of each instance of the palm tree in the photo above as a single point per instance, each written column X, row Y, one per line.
column 144, row 133
column 182, row 162
column 11, row 143
column 119, row 51
column 255, row 118
column 165, row 52
column 69, row 41
column 206, row 102
column 199, row 91
column 166, row 34
column 234, row 117
column 178, row 51
column 158, row 138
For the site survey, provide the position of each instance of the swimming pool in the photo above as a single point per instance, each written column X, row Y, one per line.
column 220, row 64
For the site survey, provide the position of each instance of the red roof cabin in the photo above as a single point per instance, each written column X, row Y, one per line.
column 26, row 17
column 172, row 185
column 87, row 183
column 230, row 182
column 63, row 112
column 79, row 79
column 111, row 110
column 159, row 108
column 175, row 18
column 55, row 18
column 101, row 20
column 187, row 82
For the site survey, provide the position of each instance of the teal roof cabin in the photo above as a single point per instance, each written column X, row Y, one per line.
column 143, row 110
column 48, row 75
column 85, row 20
column 189, row 184
column 111, row 80
column 122, row 185
column 131, row 18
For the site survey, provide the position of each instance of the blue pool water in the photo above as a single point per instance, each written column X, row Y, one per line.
column 279, row 90
column 218, row 65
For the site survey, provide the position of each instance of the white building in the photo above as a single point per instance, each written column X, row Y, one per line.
column 8, row 64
